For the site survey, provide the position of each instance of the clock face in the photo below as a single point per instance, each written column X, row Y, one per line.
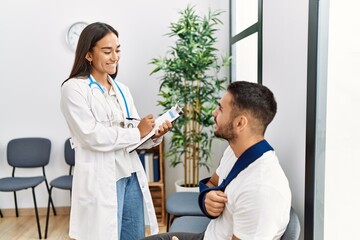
column 73, row 34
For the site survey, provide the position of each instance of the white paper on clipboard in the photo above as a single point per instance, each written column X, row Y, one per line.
column 172, row 114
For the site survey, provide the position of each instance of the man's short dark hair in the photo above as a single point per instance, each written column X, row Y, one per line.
column 255, row 98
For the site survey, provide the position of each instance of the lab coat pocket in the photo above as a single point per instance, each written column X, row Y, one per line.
column 85, row 179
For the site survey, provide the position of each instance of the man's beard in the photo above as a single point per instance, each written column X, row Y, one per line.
column 226, row 132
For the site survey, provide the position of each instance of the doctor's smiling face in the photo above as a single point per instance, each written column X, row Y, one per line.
column 97, row 53
column 104, row 56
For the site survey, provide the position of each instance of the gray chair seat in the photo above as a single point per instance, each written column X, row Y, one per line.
column 63, row 182
column 10, row 184
column 192, row 224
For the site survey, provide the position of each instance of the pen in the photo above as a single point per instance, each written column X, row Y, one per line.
column 137, row 119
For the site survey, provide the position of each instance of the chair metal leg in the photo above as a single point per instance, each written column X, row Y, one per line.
column 1, row 215
column 170, row 219
column 48, row 213
column 168, row 222
column 36, row 213
column 16, row 207
column 52, row 204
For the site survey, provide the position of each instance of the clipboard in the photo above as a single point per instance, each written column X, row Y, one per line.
column 172, row 114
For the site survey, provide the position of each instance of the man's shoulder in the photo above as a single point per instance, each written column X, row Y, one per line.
column 263, row 178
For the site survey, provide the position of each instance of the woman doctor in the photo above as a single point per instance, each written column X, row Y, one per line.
column 110, row 187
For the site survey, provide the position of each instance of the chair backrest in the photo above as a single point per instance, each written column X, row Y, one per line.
column 293, row 228
column 69, row 153
column 28, row 152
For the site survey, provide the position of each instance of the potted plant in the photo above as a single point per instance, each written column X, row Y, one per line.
column 190, row 77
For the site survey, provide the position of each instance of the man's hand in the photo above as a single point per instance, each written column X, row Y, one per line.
column 215, row 202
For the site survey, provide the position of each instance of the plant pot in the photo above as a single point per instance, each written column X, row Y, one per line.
column 180, row 188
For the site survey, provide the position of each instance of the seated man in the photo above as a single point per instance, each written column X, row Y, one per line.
column 256, row 203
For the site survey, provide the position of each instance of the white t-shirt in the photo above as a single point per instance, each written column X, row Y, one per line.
column 259, row 200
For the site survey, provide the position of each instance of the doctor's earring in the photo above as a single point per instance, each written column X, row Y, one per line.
column 88, row 58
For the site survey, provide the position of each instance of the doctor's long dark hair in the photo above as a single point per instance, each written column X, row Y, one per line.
column 87, row 41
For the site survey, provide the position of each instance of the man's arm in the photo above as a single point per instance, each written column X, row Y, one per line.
column 215, row 200
column 234, row 238
column 213, row 181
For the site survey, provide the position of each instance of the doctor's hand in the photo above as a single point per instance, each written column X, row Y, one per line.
column 146, row 125
column 215, row 202
column 163, row 128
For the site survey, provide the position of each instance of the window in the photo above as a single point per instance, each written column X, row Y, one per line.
column 246, row 40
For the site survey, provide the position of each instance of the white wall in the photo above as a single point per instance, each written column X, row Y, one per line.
column 342, row 166
column 35, row 60
column 285, row 31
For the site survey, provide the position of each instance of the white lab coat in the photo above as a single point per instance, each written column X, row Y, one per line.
column 94, row 199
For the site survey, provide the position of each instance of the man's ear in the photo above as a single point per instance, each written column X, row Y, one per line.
column 241, row 122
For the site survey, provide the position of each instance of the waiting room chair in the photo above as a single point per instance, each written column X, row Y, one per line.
column 62, row 182
column 182, row 204
column 27, row 153
column 198, row 224
column 293, row 228
column 192, row 224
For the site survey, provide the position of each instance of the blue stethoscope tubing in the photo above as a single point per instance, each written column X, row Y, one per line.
column 92, row 81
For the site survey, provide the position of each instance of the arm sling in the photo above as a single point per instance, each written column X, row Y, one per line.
column 248, row 157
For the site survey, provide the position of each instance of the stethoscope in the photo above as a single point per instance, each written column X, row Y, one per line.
column 130, row 124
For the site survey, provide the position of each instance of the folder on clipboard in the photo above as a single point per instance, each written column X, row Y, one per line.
column 172, row 114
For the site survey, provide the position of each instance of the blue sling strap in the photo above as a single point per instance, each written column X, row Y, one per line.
column 248, row 157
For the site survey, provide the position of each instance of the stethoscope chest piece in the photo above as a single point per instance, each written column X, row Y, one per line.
column 129, row 124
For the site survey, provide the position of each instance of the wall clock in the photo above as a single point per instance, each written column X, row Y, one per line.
column 73, row 34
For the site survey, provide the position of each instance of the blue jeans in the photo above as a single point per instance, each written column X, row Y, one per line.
column 131, row 223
